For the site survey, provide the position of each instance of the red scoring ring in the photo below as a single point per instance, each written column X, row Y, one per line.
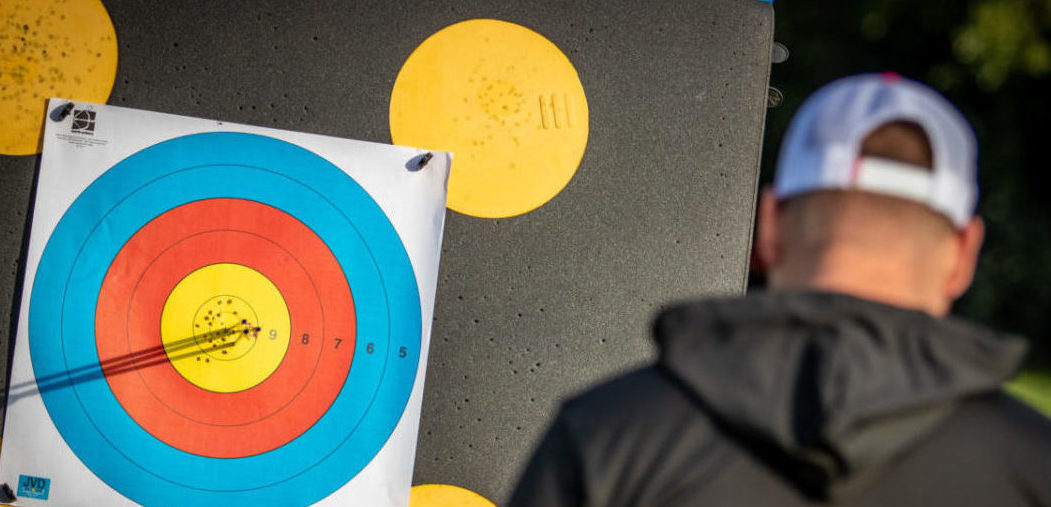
column 214, row 424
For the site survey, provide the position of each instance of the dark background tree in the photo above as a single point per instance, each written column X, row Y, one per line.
column 992, row 58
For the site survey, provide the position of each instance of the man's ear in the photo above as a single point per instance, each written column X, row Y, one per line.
column 968, row 244
column 768, row 235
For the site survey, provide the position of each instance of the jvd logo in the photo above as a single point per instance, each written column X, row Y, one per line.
column 33, row 487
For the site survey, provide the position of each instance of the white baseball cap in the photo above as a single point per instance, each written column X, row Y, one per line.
column 821, row 150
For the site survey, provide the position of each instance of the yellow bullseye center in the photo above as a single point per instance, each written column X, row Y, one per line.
column 225, row 327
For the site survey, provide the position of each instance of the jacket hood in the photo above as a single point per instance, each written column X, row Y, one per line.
column 826, row 388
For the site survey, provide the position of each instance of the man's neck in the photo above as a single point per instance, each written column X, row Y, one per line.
column 866, row 276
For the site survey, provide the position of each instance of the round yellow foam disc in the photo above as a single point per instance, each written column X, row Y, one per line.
column 50, row 48
column 444, row 495
column 508, row 104
column 225, row 327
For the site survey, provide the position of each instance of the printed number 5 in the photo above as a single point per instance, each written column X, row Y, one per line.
column 402, row 352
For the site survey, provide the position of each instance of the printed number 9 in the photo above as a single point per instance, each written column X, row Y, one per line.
column 273, row 334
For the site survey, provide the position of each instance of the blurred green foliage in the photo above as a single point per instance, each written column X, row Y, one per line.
column 992, row 58
column 1034, row 388
column 1001, row 37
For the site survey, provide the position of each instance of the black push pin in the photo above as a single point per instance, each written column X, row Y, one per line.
column 423, row 160
column 418, row 162
column 6, row 495
column 61, row 112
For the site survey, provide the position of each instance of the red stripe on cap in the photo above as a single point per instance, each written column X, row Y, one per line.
column 855, row 168
column 890, row 76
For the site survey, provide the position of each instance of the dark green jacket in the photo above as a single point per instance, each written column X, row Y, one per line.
column 791, row 399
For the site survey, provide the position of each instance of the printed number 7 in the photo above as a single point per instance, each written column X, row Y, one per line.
column 338, row 341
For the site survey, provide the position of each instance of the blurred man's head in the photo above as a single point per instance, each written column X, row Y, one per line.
column 874, row 196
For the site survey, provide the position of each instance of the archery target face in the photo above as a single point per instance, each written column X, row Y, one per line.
column 231, row 317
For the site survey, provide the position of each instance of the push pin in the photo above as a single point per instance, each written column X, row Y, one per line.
column 779, row 53
column 423, row 160
column 6, row 495
column 61, row 112
column 774, row 97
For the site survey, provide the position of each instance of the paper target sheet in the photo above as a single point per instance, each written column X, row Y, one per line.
column 218, row 314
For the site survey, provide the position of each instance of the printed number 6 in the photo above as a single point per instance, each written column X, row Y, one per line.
column 370, row 348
